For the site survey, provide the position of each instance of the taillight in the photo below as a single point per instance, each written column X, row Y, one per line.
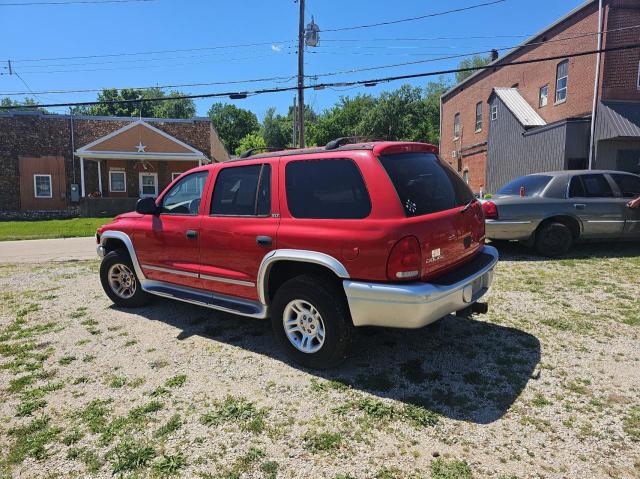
column 404, row 260
column 490, row 210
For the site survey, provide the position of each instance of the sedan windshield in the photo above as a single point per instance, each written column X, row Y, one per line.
column 532, row 184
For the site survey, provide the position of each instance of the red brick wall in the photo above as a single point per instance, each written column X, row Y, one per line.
column 528, row 79
column 476, row 165
column 620, row 69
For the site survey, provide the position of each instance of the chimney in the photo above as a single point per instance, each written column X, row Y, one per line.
column 494, row 55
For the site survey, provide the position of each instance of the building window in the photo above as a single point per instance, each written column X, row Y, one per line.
column 175, row 175
column 465, row 176
column 562, row 78
column 544, row 95
column 479, row 116
column 42, row 186
column 494, row 112
column 456, row 126
column 117, row 182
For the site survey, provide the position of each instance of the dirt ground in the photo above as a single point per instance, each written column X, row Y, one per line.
column 547, row 385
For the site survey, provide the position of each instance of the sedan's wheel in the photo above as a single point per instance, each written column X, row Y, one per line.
column 311, row 321
column 120, row 282
column 553, row 239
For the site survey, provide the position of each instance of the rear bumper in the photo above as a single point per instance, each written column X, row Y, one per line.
column 413, row 305
column 509, row 230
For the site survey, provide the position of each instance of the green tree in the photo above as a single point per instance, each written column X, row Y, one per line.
column 252, row 140
column 346, row 118
column 28, row 104
column 474, row 61
column 178, row 108
column 233, row 124
column 276, row 129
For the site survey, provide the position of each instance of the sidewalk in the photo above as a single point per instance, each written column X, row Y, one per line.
column 42, row 250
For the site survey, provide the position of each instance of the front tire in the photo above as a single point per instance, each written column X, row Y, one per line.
column 553, row 239
column 311, row 321
column 120, row 282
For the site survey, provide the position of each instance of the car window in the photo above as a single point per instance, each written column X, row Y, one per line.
column 424, row 184
column 533, row 185
column 629, row 185
column 590, row 186
column 242, row 191
column 184, row 197
column 326, row 189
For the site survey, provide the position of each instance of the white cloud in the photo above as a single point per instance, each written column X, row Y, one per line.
column 276, row 48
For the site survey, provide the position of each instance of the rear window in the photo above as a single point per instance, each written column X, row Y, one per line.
column 589, row 186
column 533, row 185
column 424, row 184
column 324, row 189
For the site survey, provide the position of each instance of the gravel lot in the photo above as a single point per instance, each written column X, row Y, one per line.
column 547, row 385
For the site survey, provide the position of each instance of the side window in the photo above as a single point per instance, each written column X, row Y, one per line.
column 242, row 191
column 326, row 189
column 184, row 197
column 629, row 185
column 590, row 186
column 562, row 79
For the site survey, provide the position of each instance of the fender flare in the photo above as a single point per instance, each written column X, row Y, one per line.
column 124, row 237
column 304, row 256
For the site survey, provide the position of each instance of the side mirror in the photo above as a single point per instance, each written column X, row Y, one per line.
column 146, row 206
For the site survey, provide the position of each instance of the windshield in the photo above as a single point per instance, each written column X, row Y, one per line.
column 425, row 184
column 533, row 185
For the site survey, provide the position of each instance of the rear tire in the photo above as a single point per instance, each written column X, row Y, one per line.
column 311, row 321
column 120, row 282
column 553, row 239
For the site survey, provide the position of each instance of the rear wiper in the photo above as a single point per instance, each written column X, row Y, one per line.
column 468, row 205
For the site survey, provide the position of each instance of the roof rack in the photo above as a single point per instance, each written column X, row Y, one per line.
column 338, row 142
column 250, row 152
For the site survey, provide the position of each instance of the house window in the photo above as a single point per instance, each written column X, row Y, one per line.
column 175, row 175
column 562, row 78
column 494, row 112
column 479, row 116
column 117, row 182
column 42, row 186
column 456, row 126
column 465, row 176
column 544, row 95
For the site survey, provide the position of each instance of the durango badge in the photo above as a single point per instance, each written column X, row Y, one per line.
column 435, row 255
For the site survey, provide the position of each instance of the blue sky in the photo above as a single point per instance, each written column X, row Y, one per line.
column 46, row 32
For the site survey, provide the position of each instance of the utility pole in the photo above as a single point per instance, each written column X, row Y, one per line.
column 294, row 123
column 301, row 32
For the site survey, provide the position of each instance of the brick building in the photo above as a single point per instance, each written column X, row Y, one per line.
column 61, row 165
column 501, row 123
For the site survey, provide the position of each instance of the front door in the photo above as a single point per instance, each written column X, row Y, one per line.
column 168, row 244
column 240, row 228
column 148, row 185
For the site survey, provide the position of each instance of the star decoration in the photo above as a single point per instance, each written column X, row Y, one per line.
column 140, row 147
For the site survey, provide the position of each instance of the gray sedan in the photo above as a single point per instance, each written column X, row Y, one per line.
column 553, row 210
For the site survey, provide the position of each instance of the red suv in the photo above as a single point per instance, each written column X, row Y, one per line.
column 320, row 240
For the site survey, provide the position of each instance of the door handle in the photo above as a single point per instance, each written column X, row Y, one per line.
column 192, row 234
column 579, row 206
column 264, row 240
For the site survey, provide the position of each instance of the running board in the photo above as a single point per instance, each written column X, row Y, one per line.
column 221, row 302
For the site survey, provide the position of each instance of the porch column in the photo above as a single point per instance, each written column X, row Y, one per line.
column 99, row 178
column 82, row 176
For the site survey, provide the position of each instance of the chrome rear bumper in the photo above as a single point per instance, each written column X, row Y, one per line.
column 414, row 305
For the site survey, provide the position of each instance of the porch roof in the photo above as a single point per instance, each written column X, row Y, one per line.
column 140, row 141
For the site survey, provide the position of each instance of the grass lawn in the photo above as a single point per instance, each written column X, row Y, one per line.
column 21, row 230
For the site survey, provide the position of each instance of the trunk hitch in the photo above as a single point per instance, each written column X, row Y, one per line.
column 475, row 308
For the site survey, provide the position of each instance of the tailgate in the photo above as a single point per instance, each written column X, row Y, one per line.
column 441, row 211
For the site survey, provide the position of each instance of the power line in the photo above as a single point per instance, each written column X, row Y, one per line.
column 412, row 19
column 369, row 82
column 72, row 2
